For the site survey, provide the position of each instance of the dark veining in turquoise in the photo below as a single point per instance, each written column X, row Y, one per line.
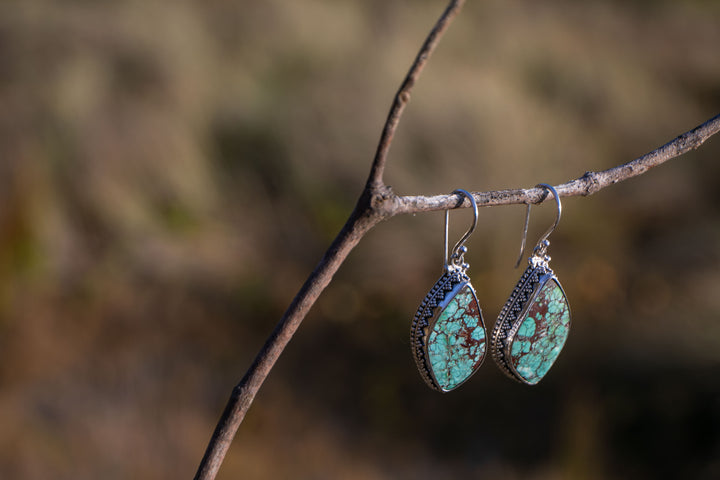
column 456, row 344
column 542, row 334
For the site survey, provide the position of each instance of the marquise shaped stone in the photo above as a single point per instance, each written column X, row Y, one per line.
column 542, row 333
column 456, row 343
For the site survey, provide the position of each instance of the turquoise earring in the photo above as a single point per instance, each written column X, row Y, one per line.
column 533, row 326
column 448, row 333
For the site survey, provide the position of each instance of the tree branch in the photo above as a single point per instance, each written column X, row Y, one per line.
column 377, row 203
column 589, row 183
column 244, row 393
column 402, row 97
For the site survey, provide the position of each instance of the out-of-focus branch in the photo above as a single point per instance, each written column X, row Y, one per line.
column 402, row 97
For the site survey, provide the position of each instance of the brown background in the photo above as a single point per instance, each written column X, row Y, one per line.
column 170, row 172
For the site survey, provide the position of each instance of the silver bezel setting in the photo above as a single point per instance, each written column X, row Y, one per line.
column 508, row 323
column 444, row 290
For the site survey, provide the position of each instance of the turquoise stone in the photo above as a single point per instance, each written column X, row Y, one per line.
column 542, row 334
column 456, row 344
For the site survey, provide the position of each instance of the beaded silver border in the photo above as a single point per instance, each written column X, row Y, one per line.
column 444, row 290
column 508, row 322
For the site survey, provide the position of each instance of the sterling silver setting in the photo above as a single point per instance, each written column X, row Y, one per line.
column 447, row 286
column 536, row 275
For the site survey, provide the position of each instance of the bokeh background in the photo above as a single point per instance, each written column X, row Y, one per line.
column 170, row 172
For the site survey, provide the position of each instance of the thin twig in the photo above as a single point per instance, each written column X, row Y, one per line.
column 402, row 97
column 589, row 183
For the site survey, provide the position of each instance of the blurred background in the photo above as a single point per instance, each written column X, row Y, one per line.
column 170, row 173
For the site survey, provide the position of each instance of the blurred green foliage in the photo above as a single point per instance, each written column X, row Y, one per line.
column 170, row 172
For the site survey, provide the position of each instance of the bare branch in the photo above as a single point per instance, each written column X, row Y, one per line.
column 589, row 183
column 244, row 393
column 402, row 97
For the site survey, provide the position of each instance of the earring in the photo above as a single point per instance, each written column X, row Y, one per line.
column 533, row 325
column 448, row 333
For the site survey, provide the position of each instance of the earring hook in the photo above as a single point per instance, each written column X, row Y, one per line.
column 542, row 244
column 459, row 249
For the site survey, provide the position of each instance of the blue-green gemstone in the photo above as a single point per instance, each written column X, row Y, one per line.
column 542, row 333
column 456, row 344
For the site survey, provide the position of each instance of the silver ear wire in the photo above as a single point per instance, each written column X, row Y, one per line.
column 559, row 212
column 458, row 251
column 524, row 237
column 542, row 244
